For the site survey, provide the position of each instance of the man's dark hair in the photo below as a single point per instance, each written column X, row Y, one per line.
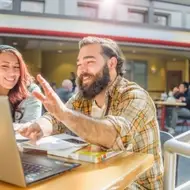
column 109, row 49
column 186, row 84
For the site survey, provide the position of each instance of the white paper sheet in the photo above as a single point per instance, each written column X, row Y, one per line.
column 52, row 143
column 20, row 137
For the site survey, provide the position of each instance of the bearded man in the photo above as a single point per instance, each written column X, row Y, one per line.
column 108, row 111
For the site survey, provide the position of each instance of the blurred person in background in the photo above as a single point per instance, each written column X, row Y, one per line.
column 53, row 85
column 65, row 92
column 109, row 111
column 76, row 90
column 181, row 94
column 73, row 80
column 18, row 84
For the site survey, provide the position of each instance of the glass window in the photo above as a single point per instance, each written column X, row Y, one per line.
column 140, row 74
column 6, row 4
column 188, row 20
column 87, row 10
column 137, row 71
column 161, row 20
column 32, row 6
column 127, row 67
column 135, row 16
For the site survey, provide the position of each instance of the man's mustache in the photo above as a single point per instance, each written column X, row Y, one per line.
column 85, row 75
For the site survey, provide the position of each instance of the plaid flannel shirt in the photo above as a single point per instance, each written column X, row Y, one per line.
column 133, row 114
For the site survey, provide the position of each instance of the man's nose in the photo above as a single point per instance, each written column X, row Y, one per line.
column 83, row 68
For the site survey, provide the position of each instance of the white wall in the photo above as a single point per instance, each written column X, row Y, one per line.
column 66, row 7
column 188, row 20
column 170, row 6
column 52, row 7
column 70, row 7
column 175, row 17
column 90, row 27
column 119, row 8
column 106, row 10
column 122, row 11
column 176, row 11
column 136, row 2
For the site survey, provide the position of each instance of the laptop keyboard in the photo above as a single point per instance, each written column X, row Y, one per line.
column 30, row 168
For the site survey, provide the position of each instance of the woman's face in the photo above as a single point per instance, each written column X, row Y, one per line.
column 9, row 70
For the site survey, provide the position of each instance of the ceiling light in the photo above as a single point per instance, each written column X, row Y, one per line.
column 153, row 69
column 134, row 51
column 108, row 2
column 60, row 43
column 60, row 51
column 15, row 43
column 174, row 59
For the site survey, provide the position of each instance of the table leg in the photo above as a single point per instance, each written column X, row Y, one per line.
column 163, row 118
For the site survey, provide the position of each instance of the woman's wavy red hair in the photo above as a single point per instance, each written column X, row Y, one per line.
column 20, row 91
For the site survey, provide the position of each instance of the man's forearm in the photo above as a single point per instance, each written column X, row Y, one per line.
column 96, row 131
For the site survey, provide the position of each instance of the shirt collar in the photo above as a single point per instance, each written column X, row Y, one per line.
column 113, row 86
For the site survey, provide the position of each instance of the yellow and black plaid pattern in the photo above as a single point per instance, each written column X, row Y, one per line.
column 132, row 112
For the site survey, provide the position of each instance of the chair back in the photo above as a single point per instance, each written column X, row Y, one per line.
column 164, row 136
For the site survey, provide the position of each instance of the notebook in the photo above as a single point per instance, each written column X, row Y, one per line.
column 85, row 154
column 68, row 146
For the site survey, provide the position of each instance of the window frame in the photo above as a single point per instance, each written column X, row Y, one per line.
column 132, row 63
column 37, row 1
column 8, row 9
column 139, row 11
column 168, row 18
column 89, row 5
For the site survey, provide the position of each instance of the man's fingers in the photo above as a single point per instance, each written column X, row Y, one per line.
column 39, row 96
column 29, row 131
column 32, row 132
column 26, row 131
column 45, row 85
column 33, row 137
column 36, row 136
column 22, row 131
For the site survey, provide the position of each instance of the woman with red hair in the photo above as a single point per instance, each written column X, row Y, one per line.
column 18, row 84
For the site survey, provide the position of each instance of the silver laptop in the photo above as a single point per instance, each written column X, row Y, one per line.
column 18, row 168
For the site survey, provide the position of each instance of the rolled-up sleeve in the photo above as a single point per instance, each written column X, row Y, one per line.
column 130, row 120
column 122, row 127
column 50, row 125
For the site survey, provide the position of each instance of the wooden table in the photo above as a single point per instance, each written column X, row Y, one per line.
column 119, row 171
column 163, row 105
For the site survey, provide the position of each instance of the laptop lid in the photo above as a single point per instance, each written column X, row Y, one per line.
column 10, row 163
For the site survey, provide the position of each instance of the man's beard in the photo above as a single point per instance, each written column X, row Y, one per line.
column 101, row 81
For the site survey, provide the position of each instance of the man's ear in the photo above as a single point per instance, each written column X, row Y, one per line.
column 112, row 63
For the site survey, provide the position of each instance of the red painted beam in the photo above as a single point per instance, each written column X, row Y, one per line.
column 52, row 33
